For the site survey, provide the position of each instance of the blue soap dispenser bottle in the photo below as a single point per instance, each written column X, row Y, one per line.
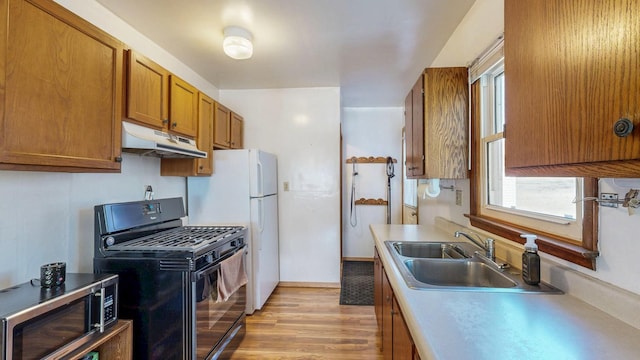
column 530, row 260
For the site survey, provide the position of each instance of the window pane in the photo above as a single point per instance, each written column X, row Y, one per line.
column 548, row 196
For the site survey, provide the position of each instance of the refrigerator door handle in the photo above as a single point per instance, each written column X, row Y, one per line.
column 261, row 220
column 260, row 179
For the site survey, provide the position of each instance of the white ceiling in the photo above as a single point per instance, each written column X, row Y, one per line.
column 373, row 50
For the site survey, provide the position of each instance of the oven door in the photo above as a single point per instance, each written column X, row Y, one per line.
column 219, row 326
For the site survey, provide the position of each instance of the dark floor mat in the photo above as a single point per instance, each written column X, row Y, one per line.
column 356, row 287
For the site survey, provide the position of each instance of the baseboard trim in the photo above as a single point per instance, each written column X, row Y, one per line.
column 309, row 284
column 357, row 259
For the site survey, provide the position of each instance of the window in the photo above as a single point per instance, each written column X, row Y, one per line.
column 510, row 206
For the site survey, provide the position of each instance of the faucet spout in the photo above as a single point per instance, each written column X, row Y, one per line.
column 487, row 245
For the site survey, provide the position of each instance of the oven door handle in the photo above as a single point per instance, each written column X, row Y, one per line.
column 197, row 275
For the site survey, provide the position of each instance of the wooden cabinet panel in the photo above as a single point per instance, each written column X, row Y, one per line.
column 206, row 110
column 183, row 108
column 196, row 167
column 402, row 343
column 446, row 102
column 159, row 99
column 572, row 71
column 387, row 318
column 414, row 130
column 60, row 90
column 236, row 131
column 222, row 126
column 228, row 129
column 436, row 124
column 147, row 91
column 116, row 343
column 397, row 342
column 377, row 286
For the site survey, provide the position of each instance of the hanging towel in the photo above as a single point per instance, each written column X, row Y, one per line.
column 231, row 276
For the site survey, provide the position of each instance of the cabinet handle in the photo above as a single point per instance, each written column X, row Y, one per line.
column 165, row 121
column 623, row 127
column 118, row 159
column 174, row 125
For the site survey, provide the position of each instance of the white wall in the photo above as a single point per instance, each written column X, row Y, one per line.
column 618, row 237
column 48, row 217
column 302, row 127
column 370, row 132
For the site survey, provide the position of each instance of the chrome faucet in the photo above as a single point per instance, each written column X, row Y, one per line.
column 488, row 245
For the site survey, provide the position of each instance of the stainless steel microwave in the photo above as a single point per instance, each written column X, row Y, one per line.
column 40, row 322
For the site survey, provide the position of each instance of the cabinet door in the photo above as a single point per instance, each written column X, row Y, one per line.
column 221, row 132
column 183, row 108
column 147, row 91
column 571, row 72
column 237, row 127
column 402, row 343
column 196, row 167
column 60, row 90
column 446, row 102
column 387, row 319
column 377, row 287
column 417, row 129
column 206, row 109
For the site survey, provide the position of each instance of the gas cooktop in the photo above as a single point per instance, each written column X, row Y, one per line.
column 184, row 238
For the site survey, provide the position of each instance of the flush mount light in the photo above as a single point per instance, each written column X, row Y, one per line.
column 237, row 43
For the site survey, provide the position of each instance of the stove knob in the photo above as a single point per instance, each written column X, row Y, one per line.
column 110, row 241
column 209, row 258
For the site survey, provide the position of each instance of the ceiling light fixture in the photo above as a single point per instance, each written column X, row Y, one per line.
column 237, row 43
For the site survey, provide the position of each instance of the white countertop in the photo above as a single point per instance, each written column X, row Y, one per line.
column 493, row 325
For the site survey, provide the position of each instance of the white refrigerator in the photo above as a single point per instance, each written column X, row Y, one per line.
column 243, row 190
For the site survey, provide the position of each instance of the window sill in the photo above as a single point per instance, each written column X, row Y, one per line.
column 547, row 243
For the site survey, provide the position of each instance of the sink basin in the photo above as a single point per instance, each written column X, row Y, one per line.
column 433, row 250
column 467, row 273
column 453, row 266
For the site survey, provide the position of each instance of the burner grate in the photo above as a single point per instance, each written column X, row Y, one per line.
column 184, row 238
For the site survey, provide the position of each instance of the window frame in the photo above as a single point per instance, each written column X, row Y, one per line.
column 582, row 252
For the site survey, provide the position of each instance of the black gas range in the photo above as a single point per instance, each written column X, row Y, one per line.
column 168, row 278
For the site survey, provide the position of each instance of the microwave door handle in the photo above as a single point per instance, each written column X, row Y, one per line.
column 101, row 295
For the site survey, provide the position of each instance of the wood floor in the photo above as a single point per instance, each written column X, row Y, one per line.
column 309, row 323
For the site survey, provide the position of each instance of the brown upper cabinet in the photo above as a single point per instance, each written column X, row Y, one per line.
column 61, row 91
column 228, row 129
column 159, row 99
column 436, row 123
column 236, row 131
column 572, row 77
column 196, row 167
column 414, row 129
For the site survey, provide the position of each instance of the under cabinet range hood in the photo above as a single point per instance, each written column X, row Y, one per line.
column 149, row 142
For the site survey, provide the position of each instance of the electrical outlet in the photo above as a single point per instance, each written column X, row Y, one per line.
column 459, row 197
column 285, row 185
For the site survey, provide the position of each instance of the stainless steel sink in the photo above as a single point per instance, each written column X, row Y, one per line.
column 470, row 273
column 453, row 266
column 434, row 250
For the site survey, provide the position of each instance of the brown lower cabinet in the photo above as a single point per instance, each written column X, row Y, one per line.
column 397, row 343
column 116, row 343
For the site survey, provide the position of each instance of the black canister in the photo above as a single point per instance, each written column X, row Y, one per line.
column 52, row 275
